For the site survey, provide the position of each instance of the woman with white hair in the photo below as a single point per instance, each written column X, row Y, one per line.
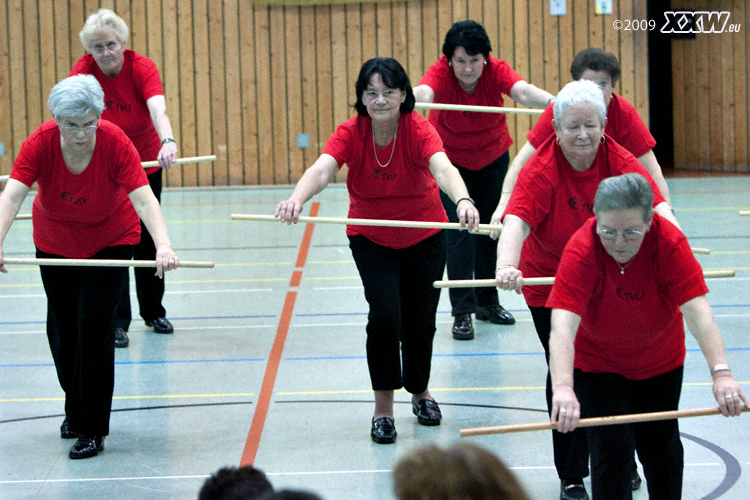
column 552, row 198
column 91, row 192
column 135, row 103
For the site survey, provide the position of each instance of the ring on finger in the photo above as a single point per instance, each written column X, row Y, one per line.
column 505, row 282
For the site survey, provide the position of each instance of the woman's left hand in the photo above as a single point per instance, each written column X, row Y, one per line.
column 468, row 215
column 167, row 155
column 729, row 395
column 166, row 260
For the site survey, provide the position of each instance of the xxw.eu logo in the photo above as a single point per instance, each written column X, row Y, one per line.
column 685, row 21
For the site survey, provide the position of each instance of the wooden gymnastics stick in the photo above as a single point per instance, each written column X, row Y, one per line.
column 596, row 421
column 744, row 212
column 100, row 263
column 728, row 273
column 4, row 178
column 23, row 217
column 178, row 161
column 477, row 109
column 483, row 228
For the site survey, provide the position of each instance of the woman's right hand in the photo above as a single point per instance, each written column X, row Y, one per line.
column 566, row 410
column 497, row 220
column 288, row 211
column 509, row 278
column 2, row 267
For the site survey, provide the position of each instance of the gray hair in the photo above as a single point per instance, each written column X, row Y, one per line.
column 625, row 192
column 101, row 22
column 580, row 92
column 76, row 97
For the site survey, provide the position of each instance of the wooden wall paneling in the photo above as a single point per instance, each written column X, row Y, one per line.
column 277, row 98
column 535, row 74
column 32, row 64
column 169, row 69
column 218, row 94
column 640, row 62
column 550, row 57
column 626, row 55
column 399, row 30
column 235, row 138
column 369, row 32
column 415, row 62
column 596, row 31
column 309, row 87
column 182, row 113
column 729, row 103
column 567, row 49
column 459, row 12
column 324, row 73
column 6, row 129
column 17, row 75
column 579, row 12
column 739, row 92
column 701, row 98
column 77, row 15
column 475, row 11
column 505, row 49
column 294, row 93
column 247, row 101
column 690, row 78
column 490, row 20
column 263, row 98
column 340, row 75
column 47, row 57
column 432, row 39
column 611, row 35
column 203, row 68
column 145, row 22
column 384, row 23
column 444, row 21
column 713, row 95
column 63, row 58
column 678, row 103
column 355, row 38
column 522, row 64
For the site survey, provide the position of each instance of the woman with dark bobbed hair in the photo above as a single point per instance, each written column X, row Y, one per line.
column 397, row 166
column 477, row 143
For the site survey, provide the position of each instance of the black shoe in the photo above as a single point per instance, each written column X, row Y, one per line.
column 427, row 412
column 573, row 490
column 383, row 430
column 66, row 432
column 160, row 325
column 86, row 447
column 495, row 314
column 635, row 480
column 121, row 338
column 462, row 327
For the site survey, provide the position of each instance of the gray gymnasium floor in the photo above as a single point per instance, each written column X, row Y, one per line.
column 263, row 369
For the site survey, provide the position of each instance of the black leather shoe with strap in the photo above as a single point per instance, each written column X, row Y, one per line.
column 160, row 325
column 427, row 412
column 462, row 327
column 495, row 314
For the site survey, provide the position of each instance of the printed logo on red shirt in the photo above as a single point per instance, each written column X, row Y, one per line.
column 117, row 107
column 629, row 296
column 575, row 204
column 72, row 199
column 385, row 176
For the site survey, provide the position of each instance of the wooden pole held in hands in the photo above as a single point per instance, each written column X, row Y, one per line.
column 596, row 421
column 727, row 273
column 179, row 161
column 477, row 109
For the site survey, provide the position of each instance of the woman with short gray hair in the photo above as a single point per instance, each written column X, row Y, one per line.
column 91, row 192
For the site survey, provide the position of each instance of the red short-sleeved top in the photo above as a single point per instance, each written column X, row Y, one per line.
column 624, row 125
column 472, row 140
column 76, row 216
column 403, row 190
column 555, row 200
column 125, row 96
column 631, row 322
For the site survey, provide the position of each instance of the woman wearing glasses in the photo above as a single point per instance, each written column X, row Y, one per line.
column 397, row 166
column 626, row 280
column 91, row 192
column 624, row 124
column 553, row 197
column 135, row 103
column 477, row 143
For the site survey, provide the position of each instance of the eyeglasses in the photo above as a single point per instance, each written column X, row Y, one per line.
column 603, row 85
column 101, row 49
column 609, row 233
column 74, row 129
column 371, row 95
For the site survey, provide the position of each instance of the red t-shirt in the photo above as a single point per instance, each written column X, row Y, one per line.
column 624, row 125
column 472, row 140
column 76, row 216
column 631, row 322
column 402, row 190
column 555, row 200
column 125, row 96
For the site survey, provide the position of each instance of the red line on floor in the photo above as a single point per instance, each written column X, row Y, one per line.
column 274, row 358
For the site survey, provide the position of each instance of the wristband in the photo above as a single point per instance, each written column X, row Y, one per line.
column 719, row 368
column 166, row 140
column 465, row 198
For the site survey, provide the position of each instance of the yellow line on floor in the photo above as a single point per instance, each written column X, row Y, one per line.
column 155, row 396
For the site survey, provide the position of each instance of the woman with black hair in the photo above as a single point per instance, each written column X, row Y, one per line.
column 397, row 166
column 477, row 143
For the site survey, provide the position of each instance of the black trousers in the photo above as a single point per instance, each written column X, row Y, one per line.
column 658, row 443
column 81, row 333
column 403, row 303
column 471, row 256
column 148, row 287
column 570, row 449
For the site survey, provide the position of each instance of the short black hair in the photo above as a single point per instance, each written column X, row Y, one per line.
column 394, row 77
column 235, row 483
column 467, row 34
column 595, row 60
